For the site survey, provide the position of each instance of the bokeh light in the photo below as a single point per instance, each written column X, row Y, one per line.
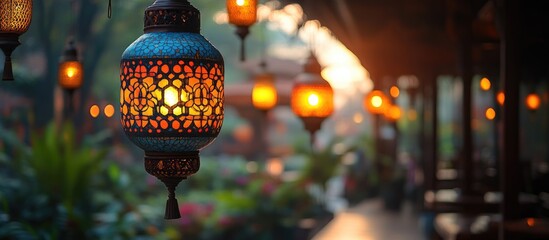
column 490, row 114
column 94, row 111
column 485, row 84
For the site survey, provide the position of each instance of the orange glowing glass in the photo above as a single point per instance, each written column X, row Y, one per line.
column 485, row 84
column 264, row 94
column 490, row 114
column 393, row 113
column 500, row 98
column 376, row 102
column 242, row 12
column 70, row 75
column 94, row 111
column 533, row 101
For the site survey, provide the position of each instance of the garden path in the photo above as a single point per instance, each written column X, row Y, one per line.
column 370, row 221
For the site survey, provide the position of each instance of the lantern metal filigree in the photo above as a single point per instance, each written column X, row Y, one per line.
column 312, row 97
column 242, row 14
column 172, row 93
column 15, row 19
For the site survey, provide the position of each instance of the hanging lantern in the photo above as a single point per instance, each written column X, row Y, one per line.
column 500, row 97
column 264, row 95
column 242, row 14
column 172, row 93
column 393, row 113
column 15, row 19
column 376, row 102
column 70, row 69
column 312, row 97
column 533, row 101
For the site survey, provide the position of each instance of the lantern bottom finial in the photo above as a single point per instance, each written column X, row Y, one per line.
column 172, row 207
column 8, row 43
column 171, row 169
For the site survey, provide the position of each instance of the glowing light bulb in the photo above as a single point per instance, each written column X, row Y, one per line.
column 377, row 101
column 313, row 99
column 71, row 71
column 170, row 96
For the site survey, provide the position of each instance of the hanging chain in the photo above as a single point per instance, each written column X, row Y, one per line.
column 109, row 10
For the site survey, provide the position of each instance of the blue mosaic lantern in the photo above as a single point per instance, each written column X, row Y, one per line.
column 172, row 93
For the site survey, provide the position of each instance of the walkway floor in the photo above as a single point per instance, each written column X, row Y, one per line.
column 369, row 221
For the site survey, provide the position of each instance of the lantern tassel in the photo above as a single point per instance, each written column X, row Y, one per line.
column 172, row 207
column 8, row 71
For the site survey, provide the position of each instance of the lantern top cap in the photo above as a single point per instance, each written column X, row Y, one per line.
column 312, row 65
column 71, row 53
column 172, row 16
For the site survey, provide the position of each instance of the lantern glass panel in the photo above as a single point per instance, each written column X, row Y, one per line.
column 70, row 74
column 242, row 12
column 15, row 16
column 172, row 92
column 312, row 99
column 264, row 95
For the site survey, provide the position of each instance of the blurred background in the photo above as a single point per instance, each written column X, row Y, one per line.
column 68, row 171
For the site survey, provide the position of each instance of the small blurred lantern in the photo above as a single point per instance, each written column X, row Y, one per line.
column 533, row 101
column 394, row 91
column 485, row 84
column 94, row 111
column 15, row 19
column 376, row 102
column 108, row 110
column 70, row 69
column 500, row 98
column 172, row 93
column 490, row 114
column 242, row 14
column 312, row 97
column 393, row 113
column 264, row 95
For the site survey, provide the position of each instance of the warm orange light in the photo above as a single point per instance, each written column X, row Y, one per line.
column 109, row 110
column 70, row 75
column 394, row 91
column 490, row 114
column 533, row 101
column 312, row 100
column 264, row 95
column 500, row 97
column 242, row 12
column 531, row 222
column 485, row 84
column 393, row 113
column 376, row 102
column 94, row 111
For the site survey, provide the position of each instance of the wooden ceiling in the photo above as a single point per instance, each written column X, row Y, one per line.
column 425, row 37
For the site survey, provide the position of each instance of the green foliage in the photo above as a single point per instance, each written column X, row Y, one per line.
column 62, row 169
